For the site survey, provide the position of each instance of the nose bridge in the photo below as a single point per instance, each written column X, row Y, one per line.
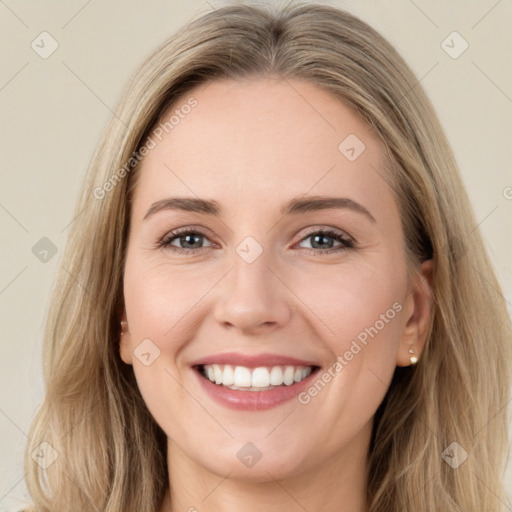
column 252, row 295
column 251, row 268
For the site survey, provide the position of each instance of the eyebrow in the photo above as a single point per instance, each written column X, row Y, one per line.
column 295, row 206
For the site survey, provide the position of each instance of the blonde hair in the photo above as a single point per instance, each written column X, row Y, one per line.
column 111, row 453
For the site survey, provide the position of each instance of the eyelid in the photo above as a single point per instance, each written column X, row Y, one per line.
column 164, row 242
column 346, row 240
column 310, row 230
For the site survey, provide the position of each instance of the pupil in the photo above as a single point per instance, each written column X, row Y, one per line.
column 187, row 240
column 318, row 241
column 321, row 240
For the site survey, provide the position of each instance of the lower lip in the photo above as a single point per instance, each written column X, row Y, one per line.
column 253, row 400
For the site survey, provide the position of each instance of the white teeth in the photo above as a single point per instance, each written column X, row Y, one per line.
column 260, row 378
column 218, row 374
column 255, row 379
column 288, row 374
column 242, row 377
column 228, row 376
column 276, row 376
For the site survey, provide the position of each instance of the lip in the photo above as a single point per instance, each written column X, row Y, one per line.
column 253, row 360
column 253, row 400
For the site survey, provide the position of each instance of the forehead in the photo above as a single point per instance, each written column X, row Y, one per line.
column 252, row 140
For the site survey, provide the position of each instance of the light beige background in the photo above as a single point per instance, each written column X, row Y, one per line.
column 53, row 111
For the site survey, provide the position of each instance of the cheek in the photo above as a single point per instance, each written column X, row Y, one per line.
column 359, row 319
column 355, row 302
column 157, row 302
column 342, row 302
column 158, row 298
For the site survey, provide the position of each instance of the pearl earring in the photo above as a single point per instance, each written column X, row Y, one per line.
column 413, row 358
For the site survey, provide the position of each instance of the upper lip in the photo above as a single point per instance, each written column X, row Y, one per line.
column 252, row 361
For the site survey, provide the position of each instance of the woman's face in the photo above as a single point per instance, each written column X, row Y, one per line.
column 265, row 240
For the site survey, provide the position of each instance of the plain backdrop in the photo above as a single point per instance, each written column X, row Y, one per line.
column 53, row 110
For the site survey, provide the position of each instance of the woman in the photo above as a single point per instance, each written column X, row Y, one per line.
column 275, row 297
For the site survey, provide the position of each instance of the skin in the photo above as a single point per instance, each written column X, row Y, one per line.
column 252, row 145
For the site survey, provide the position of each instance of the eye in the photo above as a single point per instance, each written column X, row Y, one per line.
column 188, row 241
column 323, row 241
column 184, row 241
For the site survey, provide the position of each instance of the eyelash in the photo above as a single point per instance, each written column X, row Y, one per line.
column 348, row 243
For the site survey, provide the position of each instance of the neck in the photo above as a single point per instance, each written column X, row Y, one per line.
column 337, row 484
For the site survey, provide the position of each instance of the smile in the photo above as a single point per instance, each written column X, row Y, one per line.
column 263, row 378
column 253, row 388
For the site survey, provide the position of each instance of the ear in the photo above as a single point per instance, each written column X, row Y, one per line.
column 125, row 340
column 418, row 308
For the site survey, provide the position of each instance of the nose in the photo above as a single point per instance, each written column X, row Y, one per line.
column 253, row 298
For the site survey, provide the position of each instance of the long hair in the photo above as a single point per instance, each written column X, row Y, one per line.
column 111, row 454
